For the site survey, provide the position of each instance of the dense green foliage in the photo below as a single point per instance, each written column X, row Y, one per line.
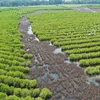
column 14, row 61
column 85, row 1
column 77, row 33
column 45, row 2
column 94, row 6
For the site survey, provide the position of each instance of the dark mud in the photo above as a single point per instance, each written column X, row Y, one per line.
column 65, row 80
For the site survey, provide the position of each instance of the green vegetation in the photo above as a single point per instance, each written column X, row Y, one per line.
column 91, row 70
column 77, row 33
column 94, row 6
column 45, row 2
column 14, row 61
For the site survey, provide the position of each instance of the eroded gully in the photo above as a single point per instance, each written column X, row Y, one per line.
column 65, row 80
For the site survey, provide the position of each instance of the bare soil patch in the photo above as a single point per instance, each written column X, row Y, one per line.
column 86, row 9
column 66, row 81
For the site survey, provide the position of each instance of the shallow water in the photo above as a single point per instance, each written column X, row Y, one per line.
column 36, row 60
column 77, row 64
column 36, row 39
column 30, row 30
column 55, row 76
column 58, row 51
column 93, row 80
column 43, row 78
column 48, row 74
column 50, row 44
column 67, row 61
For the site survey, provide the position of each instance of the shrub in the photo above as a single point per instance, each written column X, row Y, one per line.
column 39, row 98
column 45, row 93
column 24, row 83
column 16, row 74
column 32, row 83
column 2, row 72
column 28, row 63
column 6, row 89
column 2, row 95
column 16, row 82
column 25, row 92
column 19, row 68
column 27, row 56
column 28, row 98
column 12, row 97
column 8, row 80
column 17, row 92
column 35, row 92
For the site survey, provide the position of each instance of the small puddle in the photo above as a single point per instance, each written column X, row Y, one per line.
column 41, row 78
column 93, row 80
column 30, row 30
column 58, row 51
column 50, row 44
column 77, row 64
column 47, row 68
column 67, row 98
column 55, row 76
column 36, row 60
column 48, row 75
column 36, row 39
column 39, row 56
column 36, row 67
column 67, row 61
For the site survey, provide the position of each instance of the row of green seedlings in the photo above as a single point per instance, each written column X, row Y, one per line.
column 61, row 43
column 89, row 62
column 3, row 96
column 76, row 57
column 15, row 71
column 34, row 92
column 14, row 57
column 53, row 21
column 13, row 67
column 83, row 50
column 12, row 50
column 93, row 70
column 13, row 63
column 17, row 82
column 50, row 36
column 69, row 47
column 9, row 52
column 64, row 39
column 43, row 34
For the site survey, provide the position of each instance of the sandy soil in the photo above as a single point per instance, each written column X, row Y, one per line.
column 66, row 81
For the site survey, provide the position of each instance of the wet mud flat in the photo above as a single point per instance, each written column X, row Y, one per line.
column 86, row 9
column 52, row 69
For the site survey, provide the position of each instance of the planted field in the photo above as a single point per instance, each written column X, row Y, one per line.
column 14, row 61
column 31, row 69
column 76, row 33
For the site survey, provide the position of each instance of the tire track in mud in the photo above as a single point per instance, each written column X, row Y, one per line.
column 66, row 81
